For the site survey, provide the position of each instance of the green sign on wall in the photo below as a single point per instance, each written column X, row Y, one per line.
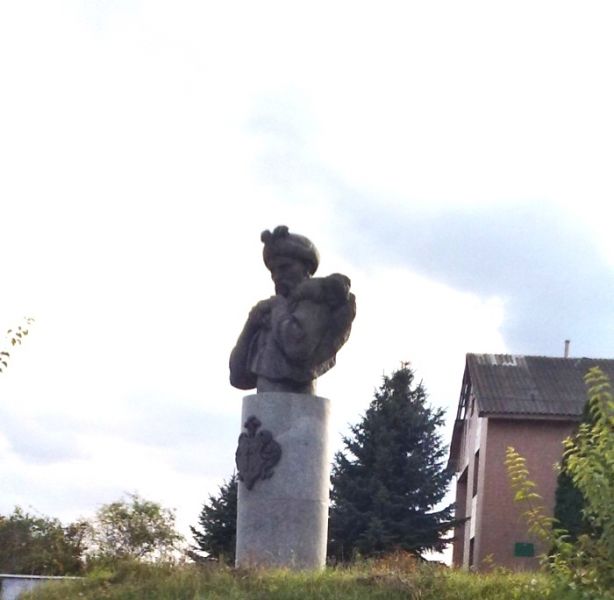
column 524, row 549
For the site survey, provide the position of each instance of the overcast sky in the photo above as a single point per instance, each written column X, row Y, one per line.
column 454, row 159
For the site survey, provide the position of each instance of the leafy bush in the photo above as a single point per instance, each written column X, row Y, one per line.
column 134, row 529
column 39, row 545
column 586, row 563
column 14, row 337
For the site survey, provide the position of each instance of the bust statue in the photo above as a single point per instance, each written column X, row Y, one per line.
column 292, row 338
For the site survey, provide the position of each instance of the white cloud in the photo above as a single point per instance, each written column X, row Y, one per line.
column 144, row 147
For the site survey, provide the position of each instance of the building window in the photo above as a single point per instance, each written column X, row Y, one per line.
column 476, row 469
column 471, row 552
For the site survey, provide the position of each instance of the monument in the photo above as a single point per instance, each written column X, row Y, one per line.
column 287, row 342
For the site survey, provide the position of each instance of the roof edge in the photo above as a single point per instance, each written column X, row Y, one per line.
column 529, row 416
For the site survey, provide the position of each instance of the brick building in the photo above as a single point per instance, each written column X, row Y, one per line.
column 531, row 403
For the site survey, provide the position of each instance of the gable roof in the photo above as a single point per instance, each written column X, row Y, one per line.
column 505, row 384
column 523, row 387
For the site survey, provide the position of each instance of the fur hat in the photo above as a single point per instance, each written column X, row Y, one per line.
column 283, row 243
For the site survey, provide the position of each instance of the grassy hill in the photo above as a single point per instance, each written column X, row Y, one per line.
column 390, row 579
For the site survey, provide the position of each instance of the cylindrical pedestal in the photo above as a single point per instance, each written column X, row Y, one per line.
column 282, row 521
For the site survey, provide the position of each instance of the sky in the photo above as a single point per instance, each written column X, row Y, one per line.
column 453, row 159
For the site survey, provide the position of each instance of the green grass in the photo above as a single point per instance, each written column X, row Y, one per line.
column 377, row 580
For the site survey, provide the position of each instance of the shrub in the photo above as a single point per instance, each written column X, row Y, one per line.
column 583, row 564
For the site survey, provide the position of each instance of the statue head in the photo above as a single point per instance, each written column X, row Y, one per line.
column 291, row 258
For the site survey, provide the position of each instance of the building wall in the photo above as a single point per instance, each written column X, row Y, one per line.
column 458, row 548
column 500, row 525
column 466, row 506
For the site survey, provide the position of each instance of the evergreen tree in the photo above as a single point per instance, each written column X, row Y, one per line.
column 568, row 506
column 568, row 499
column 391, row 475
column 218, row 524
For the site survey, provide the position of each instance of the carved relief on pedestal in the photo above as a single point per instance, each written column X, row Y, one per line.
column 257, row 453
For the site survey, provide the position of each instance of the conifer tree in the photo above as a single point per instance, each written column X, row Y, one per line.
column 391, row 476
column 217, row 534
column 568, row 500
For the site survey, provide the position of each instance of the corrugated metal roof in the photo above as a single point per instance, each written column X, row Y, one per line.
column 531, row 385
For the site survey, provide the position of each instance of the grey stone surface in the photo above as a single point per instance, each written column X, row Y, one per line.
column 292, row 338
column 12, row 586
column 282, row 521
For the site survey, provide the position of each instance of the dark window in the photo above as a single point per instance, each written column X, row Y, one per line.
column 476, row 470
column 471, row 551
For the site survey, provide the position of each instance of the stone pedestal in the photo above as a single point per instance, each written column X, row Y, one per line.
column 282, row 521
